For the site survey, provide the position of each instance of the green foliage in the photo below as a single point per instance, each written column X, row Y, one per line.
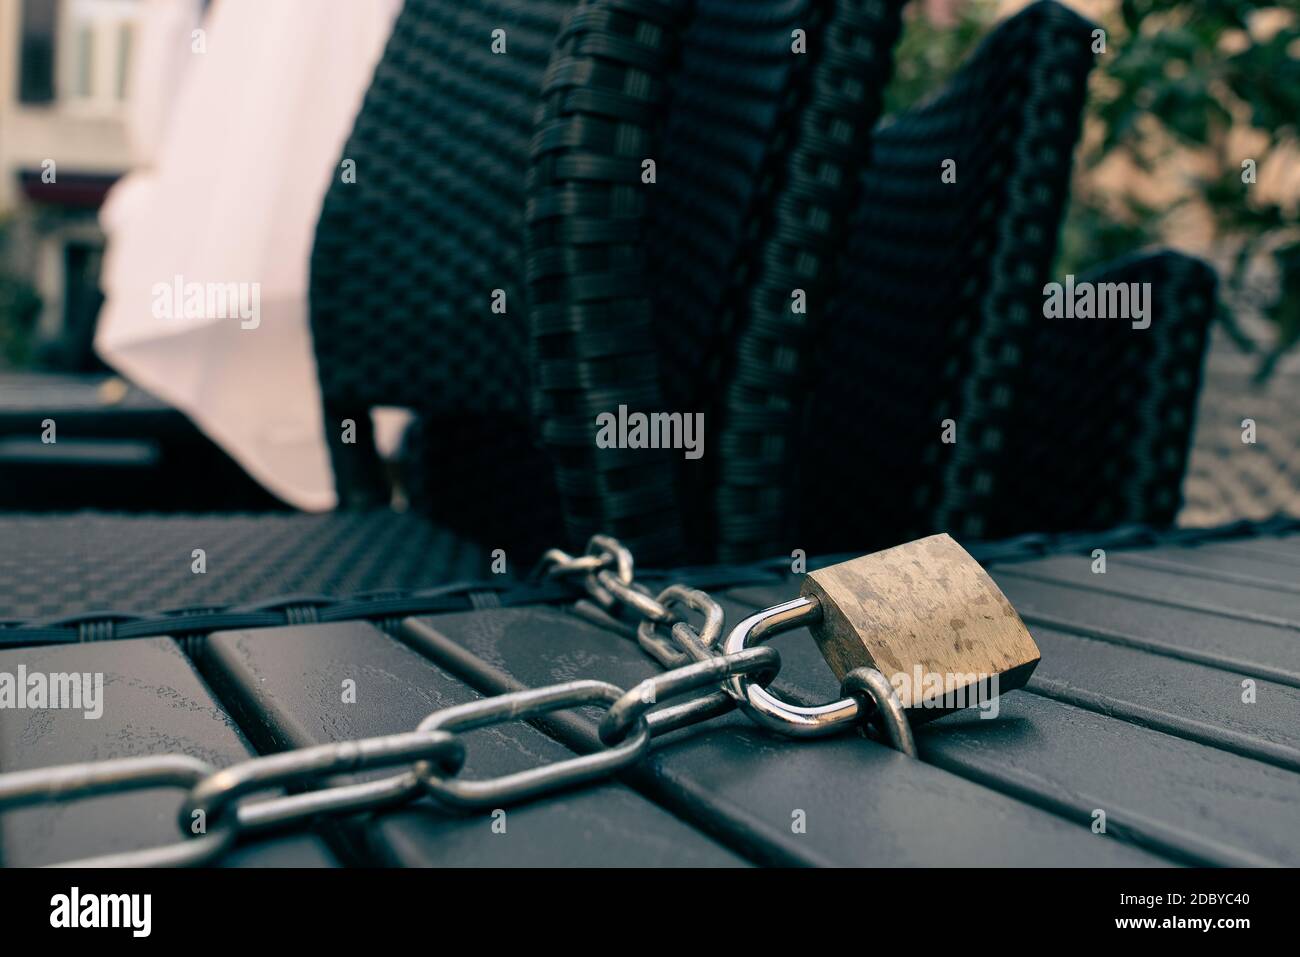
column 1207, row 71
column 927, row 55
column 1180, row 79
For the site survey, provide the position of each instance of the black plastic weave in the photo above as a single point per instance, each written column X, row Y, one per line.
column 406, row 258
column 1100, row 414
column 388, row 606
column 411, row 258
column 764, row 354
column 592, row 327
column 650, row 294
column 81, row 562
column 941, row 296
column 735, row 90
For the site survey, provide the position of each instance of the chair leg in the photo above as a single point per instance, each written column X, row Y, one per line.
column 358, row 472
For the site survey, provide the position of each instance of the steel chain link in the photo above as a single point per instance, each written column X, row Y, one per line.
column 214, row 815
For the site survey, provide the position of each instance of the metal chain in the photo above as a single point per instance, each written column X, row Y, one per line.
column 214, row 813
column 607, row 572
column 607, row 575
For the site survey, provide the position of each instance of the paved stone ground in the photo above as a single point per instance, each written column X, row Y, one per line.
column 1228, row 479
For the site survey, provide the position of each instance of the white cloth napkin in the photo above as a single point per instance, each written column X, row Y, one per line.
column 239, row 133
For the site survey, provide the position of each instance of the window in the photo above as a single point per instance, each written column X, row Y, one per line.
column 36, row 53
column 125, row 36
column 94, row 52
column 84, row 64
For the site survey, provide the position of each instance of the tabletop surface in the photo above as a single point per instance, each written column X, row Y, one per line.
column 1162, row 727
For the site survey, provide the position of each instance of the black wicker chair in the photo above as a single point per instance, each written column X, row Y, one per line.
column 940, row 316
column 641, row 291
column 410, row 259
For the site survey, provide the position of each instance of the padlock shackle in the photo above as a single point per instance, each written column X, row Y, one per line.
column 798, row 612
column 804, row 721
column 763, row 707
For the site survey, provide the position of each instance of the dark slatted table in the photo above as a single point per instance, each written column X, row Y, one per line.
column 1168, row 698
column 153, row 702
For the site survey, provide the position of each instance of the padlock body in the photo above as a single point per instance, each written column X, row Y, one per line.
column 928, row 617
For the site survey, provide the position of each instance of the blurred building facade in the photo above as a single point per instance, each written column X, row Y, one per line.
column 65, row 78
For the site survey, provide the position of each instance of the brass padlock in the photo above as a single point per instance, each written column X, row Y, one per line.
column 924, row 615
